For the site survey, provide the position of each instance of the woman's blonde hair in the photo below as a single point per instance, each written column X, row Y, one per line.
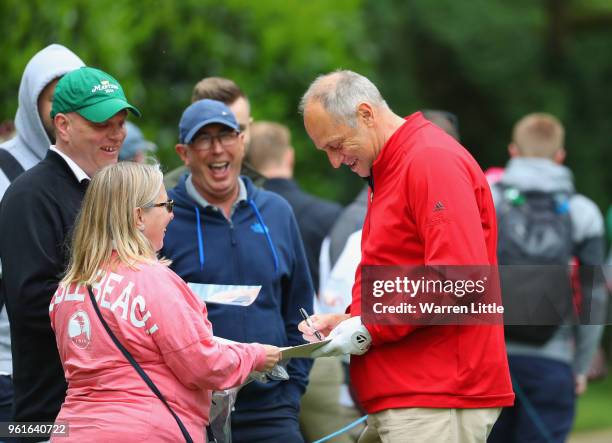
column 106, row 220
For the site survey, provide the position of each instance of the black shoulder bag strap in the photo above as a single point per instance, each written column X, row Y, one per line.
column 11, row 168
column 9, row 165
column 138, row 369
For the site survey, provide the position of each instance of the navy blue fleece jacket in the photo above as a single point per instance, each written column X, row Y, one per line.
column 243, row 252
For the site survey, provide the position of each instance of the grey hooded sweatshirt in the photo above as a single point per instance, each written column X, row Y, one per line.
column 30, row 144
column 572, row 345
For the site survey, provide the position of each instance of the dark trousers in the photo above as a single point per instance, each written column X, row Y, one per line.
column 6, row 403
column 545, row 402
column 273, row 425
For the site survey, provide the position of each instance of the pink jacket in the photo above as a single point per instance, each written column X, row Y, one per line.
column 165, row 328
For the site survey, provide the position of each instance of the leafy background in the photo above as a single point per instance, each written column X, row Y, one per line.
column 488, row 61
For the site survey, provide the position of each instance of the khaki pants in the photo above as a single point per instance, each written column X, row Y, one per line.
column 321, row 412
column 430, row 425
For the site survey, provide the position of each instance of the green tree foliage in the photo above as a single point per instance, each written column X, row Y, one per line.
column 160, row 49
column 489, row 61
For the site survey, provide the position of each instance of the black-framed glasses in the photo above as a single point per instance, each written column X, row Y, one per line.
column 204, row 142
column 168, row 204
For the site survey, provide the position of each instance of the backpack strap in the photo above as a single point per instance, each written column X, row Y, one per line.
column 516, row 197
column 9, row 165
column 11, row 168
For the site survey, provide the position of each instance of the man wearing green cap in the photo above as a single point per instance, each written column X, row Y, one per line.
column 36, row 215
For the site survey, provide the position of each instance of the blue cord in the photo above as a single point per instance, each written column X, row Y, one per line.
column 200, row 242
column 531, row 412
column 267, row 234
column 344, row 429
column 259, row 220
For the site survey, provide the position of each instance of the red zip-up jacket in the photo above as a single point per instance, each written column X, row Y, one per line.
column 420, row 169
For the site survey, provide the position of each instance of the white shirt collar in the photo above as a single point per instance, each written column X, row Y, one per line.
column 76, row 170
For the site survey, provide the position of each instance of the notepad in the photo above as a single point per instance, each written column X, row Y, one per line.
column 303, row 351
column 236, row 295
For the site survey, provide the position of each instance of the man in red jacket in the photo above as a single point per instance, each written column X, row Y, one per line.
column 429, row 204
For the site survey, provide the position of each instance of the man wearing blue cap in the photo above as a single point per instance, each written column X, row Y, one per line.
column 36, row 215
column 226, row 231
column 135, row 146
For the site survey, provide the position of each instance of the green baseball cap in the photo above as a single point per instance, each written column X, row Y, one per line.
column 92, row 93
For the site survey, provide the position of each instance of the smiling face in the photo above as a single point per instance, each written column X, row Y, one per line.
column 155, row 219
column 214, row 171
column 354, row 147
column 90, row 145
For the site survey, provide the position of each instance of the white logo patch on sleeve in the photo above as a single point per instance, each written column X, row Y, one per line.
column 79, row 329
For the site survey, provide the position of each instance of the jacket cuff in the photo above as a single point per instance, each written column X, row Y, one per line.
column 260, row 357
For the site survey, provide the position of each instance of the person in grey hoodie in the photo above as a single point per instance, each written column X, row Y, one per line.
column 34, row 135
column 548, row 377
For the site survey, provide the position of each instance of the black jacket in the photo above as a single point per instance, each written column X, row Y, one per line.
column 315, row 217
column 36, row 216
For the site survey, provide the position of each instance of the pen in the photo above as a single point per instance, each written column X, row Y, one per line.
column 306, row 318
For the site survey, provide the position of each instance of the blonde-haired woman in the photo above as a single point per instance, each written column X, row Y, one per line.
column 152, row 314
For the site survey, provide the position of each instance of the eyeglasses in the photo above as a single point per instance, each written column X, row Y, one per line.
column 205, row 141
column 168, row 204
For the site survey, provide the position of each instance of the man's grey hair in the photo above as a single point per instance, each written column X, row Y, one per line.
column 340, row 93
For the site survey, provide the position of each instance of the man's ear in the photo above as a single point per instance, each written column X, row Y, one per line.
column 181, row 150
column 559, row 156
column 242, row 147
column 365, row 113
column 513, row 150
column 62, row 125
column 290, row 158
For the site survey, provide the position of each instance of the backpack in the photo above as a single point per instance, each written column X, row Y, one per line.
column 11, row 168
column 535, row 245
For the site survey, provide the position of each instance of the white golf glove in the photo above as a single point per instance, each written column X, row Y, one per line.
column 349, row 337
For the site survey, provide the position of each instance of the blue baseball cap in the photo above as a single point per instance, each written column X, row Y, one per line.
column 134, row 142
column 202, row 113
